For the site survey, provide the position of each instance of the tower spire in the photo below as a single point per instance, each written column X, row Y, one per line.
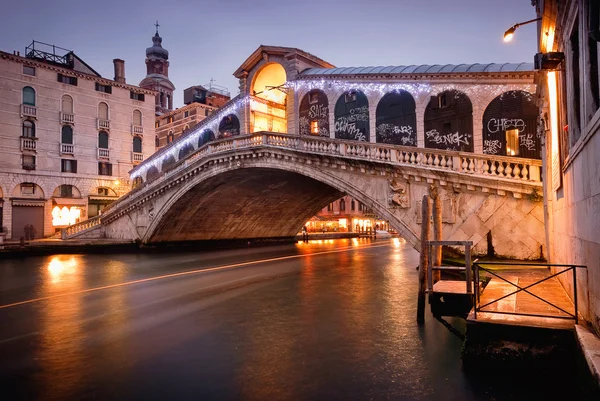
column 156, row 25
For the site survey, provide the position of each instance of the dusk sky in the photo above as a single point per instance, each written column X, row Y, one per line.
column 212, row 38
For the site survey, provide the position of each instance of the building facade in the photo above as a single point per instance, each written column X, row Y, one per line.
column 69, row 138
column 346, row 215
column 157, row 78
column 569, row 91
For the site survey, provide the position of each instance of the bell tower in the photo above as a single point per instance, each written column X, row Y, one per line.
column 157, row 74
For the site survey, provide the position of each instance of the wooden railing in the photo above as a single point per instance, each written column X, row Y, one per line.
column 69, row 232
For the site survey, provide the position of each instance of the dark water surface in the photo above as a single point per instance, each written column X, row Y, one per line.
column 330, row 320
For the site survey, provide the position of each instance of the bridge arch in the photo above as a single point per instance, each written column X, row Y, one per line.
column 217, row 200
column 314, row 114
column 396, row 119
column 448, row 122
column 352, row 116
column 510, row 126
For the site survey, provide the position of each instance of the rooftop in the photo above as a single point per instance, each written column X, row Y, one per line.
column 421, row 69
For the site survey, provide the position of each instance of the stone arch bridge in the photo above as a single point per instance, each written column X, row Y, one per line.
column 267, row 185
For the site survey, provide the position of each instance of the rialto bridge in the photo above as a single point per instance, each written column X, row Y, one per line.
column 302, row 133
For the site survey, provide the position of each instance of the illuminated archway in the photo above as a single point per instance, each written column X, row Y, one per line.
column 268, row 105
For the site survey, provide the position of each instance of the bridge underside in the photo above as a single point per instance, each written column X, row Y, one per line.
column 246, row 203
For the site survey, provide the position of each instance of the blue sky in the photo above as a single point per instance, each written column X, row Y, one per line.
column 211, row 38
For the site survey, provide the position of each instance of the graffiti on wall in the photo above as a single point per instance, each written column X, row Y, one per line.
column 451, row 141
column 396, row 134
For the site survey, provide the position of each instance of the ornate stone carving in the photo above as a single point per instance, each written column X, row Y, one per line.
column 399, row 196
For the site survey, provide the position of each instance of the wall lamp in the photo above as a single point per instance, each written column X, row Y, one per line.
column 508, row 35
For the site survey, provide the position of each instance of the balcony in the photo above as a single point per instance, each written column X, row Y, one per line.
column 103, row 153
column 137, row 157
column 28, row 111
column 67, row 118
column 66, row 149
column 103, row 124
column 137, row 129
column 28, row 143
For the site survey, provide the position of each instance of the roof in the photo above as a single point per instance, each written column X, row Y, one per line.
column 421, row 69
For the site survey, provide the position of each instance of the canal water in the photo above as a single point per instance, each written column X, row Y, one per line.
column 324, row 320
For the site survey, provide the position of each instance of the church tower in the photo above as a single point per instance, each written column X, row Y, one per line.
column 157, row 75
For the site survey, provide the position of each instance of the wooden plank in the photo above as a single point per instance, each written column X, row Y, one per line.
column 450, row 287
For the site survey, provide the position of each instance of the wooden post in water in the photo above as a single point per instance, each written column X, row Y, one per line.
column 424, row 257
column 437, row 233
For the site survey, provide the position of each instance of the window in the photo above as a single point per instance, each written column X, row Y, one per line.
column 103, row 140
column 103, row 88
column 28, row 129
column 27, row 188
column 137, row 117
column 156, row 141
column 67, row 104
column 170, row 137
column 137, row 144
column 66, row 134
column 350, row 97
column 313, row 97
column 330, row 207
column 66, row 191
column 68, row 166
column 27, row 70
column 352, row 205
column 28, row 162
column 443, row 101
column 576, row 88
column 65, row 79
column 186, row 114
column 137, row 96
column 29, row 96
column 206, row 113
column 342, row 205
column 103, row 191
column 170, row 119
column 512, row 142
column 103, row 111
column 104, row 168
column 314, row 127
column 157, row 124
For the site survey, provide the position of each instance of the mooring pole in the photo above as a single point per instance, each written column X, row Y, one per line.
column 437, row 235
column 424, row 257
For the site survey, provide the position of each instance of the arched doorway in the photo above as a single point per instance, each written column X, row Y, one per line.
column 510, row 126
column 269, row 96
column 314, row 114
column 396, row 119
column 449, row 122
column 352, row 116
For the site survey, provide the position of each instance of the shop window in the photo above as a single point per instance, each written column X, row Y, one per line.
column 104, row 168
column 68, row 166
column 29, row 96
column 27, row 70
column 28, row 129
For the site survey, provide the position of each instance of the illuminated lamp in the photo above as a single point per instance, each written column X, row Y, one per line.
column 510, row 32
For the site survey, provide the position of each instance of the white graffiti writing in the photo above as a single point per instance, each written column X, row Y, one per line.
column 396, row 134
column 318, row 111
column 447, row 139
column 358, row 114
column 349, row 129
column 527, row 141
column 502, row 124
column 491, row 146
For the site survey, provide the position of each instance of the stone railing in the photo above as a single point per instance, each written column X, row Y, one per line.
column 28, row 143
column 67, row 118
column 67, row 149
column 137, row 129
column 137, row 157
column 28, row 111
column 69, row 232
column 103, row 153
column 103, row 124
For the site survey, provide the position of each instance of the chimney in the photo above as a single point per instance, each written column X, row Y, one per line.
column 119, row 70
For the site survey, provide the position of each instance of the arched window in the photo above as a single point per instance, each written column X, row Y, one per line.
column 137, row 181
column 510, row 126
column 186, row 150
column 103, row 111
column 352, row 205
column 229, row 126
column 66, row 134
column 29, row 96
column 137, row 144
column 352, row 116
column 28, row 129
column 137, row 118
column 342, row 205
column 156, row 141
column 449, row 122
column 314, row 114
column 396, row 119
column 67, row 104
column 103, row 140
column 206, row 137
column 170, row 137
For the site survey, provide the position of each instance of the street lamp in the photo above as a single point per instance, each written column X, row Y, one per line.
column 508, row 35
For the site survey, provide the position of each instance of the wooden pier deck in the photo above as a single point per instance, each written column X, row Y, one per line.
column 522, row 302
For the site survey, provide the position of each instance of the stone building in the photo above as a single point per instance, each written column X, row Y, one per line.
column 346, row 215
column 69, row 138
column 157, row 78
column 569, row 89
column 199, row 104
